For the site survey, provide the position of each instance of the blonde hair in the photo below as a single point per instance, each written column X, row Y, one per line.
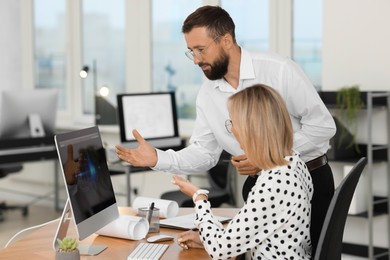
column 263, row 124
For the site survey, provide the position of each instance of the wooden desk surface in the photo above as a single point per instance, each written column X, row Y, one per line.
column 38, row 245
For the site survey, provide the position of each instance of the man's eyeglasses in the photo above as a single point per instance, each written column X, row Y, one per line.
column 229, row 125
column 198, row 52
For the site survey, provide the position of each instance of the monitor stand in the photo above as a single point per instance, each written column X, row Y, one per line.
column 63, row 229
column 36, row 126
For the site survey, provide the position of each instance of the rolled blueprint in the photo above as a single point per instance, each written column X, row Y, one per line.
column 127, row 227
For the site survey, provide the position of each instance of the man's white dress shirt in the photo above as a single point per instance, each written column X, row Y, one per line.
column 313, row 124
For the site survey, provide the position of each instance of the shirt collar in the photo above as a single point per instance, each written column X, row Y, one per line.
column 246, row 71
column 246, row 66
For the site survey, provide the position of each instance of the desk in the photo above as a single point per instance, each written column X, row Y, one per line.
column 38, row 245
column 20, row 150
column 27, row 149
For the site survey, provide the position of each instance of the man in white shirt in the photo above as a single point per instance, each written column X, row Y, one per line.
column 210, row 37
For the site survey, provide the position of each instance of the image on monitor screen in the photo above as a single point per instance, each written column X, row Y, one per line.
column 152, row 114
column 87, row 180
column 27, row 113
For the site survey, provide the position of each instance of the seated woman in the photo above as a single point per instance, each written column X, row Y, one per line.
column 274, row 223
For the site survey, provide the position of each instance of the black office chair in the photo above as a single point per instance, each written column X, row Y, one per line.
column 220, row 179
column 330, row 242
column 6, row 169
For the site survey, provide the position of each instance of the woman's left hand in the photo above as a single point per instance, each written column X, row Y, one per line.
column 190, row 239
column 185, row 186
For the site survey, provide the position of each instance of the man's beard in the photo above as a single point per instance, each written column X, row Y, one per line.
column 218, row 69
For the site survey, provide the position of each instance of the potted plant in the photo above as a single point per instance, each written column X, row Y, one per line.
column 349, row 102
column 67, row 249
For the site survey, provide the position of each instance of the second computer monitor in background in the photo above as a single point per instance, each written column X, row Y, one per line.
column 26, row 113
column 153, row 115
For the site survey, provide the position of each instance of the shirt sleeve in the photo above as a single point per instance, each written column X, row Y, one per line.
column 200, row 155
column 189, row 160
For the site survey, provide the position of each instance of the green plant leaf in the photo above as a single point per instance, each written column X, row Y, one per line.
column 349, row 102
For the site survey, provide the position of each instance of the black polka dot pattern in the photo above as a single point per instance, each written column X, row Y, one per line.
column 274, row 222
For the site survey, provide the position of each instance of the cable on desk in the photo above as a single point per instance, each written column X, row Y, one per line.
column 29, row 228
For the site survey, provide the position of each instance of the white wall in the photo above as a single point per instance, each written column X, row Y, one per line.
column 356, row 44
column 356, row 50
column 10, row 44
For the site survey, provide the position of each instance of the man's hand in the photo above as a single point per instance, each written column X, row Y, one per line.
column 144, row 155
column 243, row 165
column 189, row 239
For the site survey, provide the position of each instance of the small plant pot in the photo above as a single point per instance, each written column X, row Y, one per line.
column 74, row 255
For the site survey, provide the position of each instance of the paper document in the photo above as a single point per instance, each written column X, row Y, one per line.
column 186, row 222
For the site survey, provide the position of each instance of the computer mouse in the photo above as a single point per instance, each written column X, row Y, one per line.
column 159, row 238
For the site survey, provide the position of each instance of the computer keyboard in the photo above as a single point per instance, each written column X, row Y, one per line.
column 148, row 251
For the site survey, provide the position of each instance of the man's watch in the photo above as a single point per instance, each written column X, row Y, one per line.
column 199, row 192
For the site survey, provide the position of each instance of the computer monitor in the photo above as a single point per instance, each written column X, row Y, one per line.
column 88, row 183
column 153, row 115
column 27, row 113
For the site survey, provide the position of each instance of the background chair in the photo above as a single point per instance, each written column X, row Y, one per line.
column 6, row 169
column 330, row 242
column 220, row 178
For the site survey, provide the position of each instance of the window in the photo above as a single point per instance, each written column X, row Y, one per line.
column 50, row 46
column 99, row 34
column 172, row 71
column 103, row 31
column 251, row 20
column 307, row 38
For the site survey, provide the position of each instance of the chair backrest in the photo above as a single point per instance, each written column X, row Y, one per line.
column 222, row 176
column 330, row 242
column 8, row 168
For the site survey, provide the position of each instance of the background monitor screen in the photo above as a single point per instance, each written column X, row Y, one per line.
column 28, row 113
column 87, row 179
column 152, row 114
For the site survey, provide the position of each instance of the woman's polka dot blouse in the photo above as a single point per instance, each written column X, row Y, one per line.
column 274, row 222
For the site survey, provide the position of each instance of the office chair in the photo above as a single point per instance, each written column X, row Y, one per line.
column 330, row 242
column 6, row 169
column 220, row 179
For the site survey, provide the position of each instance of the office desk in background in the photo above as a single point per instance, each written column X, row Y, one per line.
column 38, row 245
column 21, row 150
column 27, row 149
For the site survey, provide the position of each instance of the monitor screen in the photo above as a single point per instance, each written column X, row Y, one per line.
column 152, row 114
column 87, row 179
column 27, row 113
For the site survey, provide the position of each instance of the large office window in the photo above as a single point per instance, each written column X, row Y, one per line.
column 252, row 22
column 103, row 41
column 307, row 38
column 50, row 46
column 172, row 70
column 101, row 44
